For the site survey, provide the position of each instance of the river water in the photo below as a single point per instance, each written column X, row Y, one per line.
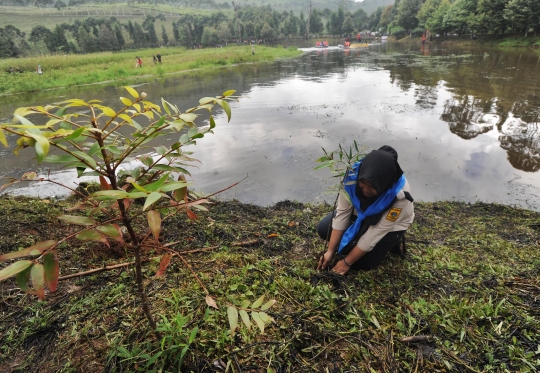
column 464, row 122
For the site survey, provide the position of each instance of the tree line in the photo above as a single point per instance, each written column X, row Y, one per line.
column 263, row 22
column 95, row 34
column 459, row 17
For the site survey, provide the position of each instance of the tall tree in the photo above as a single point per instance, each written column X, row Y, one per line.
column 316, row 25
column 107, row 40
column 387, row 16
column 426, row 11
column 436, row 24
column 119, row 36
column 360, row 20
column 267, row 32
column 523, row 14
column 406, row 14
column 164, row 35
column 461, row 13
column 490, row 16
column 348, row 25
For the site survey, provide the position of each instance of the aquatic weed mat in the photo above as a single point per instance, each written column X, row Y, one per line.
column 464, row 299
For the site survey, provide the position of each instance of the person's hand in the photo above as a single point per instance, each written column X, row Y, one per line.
column 341, row 268
column 325, row 260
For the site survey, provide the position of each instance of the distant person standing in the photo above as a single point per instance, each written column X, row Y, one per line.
column 154, row 59
column 252, row 48
column 159, row 58
column 423, row 39
column 138, row 63
column 359, row 37
column 38, row 70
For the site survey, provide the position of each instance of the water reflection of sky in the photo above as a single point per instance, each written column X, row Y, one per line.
column 462, row 122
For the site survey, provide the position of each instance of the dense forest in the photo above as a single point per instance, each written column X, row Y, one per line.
column 250, row 22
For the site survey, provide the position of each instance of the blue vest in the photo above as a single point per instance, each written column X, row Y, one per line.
column 381, row 204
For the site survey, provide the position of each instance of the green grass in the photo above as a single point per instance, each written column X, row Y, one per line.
column 469, row 282
column 72, row 70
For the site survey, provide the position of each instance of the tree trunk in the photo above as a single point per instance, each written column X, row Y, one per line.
column 308, row 22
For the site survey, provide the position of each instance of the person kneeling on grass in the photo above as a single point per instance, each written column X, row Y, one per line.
column 373, row 213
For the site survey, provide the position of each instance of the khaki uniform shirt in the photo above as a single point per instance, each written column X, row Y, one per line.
column 398, row 217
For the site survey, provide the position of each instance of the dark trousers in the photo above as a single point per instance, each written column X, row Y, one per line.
column 372, row 258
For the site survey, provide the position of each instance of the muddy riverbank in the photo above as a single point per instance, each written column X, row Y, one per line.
column 468, row 286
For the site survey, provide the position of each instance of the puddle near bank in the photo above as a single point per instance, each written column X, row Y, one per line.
column 463, row 121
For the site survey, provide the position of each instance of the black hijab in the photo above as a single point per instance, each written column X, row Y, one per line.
column 381, row 169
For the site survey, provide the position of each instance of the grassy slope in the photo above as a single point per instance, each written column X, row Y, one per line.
column 71, row 70
column 469, row 281
column 25, row 18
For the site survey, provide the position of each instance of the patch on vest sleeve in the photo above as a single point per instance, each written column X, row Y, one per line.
column 393, row 215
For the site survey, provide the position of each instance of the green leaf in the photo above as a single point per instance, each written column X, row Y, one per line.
column 111, row 230
column 110, row 194
column 78, row 220
column 91, row 162
column 257, row 318
column 245, row 303
column 156, row 184
column 232, row 313
column 212, row 122
column 245, row 318
column 52, row 158
column 229, row 93
column 22, row 281
column 268, row 305
column 189, row 117
column 152, row 198
column 166, row 106
column 192, row 132
column 225, row 105
column 115, row 149
column 33, row 250
column 258, row 302
column 42, row 146
column 206, row 100
column 14, row 268
column 126, row 101
column 94, row 149
column 3, row 138
column 164, row 167
column 132, row 92
column 154, row 222
column 184, row 138
column 173, row 186
column 60, row 112
column 161, row 150
column 37, row 274
column 147, row 160
column 92, row 235
column 265, row 318
column 77, row 133
column 31, row 127
column 52, row 271
column 108, row 111
column 193, row 335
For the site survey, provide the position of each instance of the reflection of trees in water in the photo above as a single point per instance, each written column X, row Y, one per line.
column 522, row 142
column 426, row 96
column 466, row 116
column 490, row 90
